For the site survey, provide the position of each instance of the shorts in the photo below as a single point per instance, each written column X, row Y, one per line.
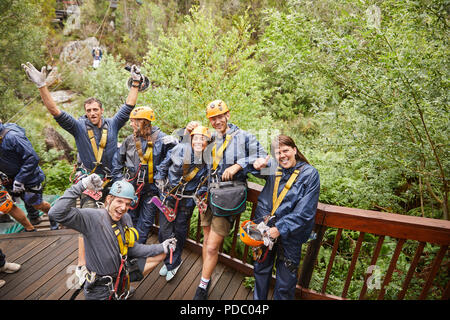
column 220, row 225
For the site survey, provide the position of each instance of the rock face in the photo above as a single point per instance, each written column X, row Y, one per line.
column 53, row 140
column 79, row 52
column 62, row 96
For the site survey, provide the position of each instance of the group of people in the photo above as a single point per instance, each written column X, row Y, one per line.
column 154, row 173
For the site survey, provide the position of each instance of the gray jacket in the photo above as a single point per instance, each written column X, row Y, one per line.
column 101, row 246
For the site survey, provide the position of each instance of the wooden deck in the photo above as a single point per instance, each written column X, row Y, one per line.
column 48, row 259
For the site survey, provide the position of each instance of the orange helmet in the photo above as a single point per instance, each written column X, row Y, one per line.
column 250, row 235
column 215, row 108
column 6, row 202
column 143, row 113
column 201, row 130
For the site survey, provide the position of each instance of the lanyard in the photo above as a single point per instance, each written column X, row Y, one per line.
column 147, row 158
column 276, row 200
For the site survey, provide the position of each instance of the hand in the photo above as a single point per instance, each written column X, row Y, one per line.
column 135, row 73
column 18, row 187
column 92, row 182
column 191, row 126
column 38, row 78
column 261, row 163
column 169, row 244
column 229, row 172
column 160, row 185
column 274, row 233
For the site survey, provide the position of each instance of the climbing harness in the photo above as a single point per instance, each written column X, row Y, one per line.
column 249, row 231
column 98, row 150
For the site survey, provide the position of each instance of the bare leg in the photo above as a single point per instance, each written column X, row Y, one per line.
column 211, row 254
column 152, row 262
column 44, row 206
column 206, row 231
column 21, row 217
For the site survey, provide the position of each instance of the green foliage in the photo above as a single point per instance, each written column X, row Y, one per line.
column 379, row 91
column 24, row 27
column 200, row 63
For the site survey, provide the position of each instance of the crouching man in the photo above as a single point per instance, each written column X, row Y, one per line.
column 110, row 240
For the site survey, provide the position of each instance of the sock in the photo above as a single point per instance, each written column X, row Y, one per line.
column 204, row 283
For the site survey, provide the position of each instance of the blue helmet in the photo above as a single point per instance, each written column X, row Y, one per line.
column 123, row 189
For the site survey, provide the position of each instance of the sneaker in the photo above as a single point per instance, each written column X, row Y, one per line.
column 171, row 273
column 163, row 271
column 2, row 283
column 202, row 294
column 10, row 267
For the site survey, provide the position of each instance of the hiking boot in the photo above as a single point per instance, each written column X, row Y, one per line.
column 10, row 267
column 202, row 294
column 35, row 221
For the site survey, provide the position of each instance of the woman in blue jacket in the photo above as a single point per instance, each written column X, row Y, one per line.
column 292, row 211
column 185, row 171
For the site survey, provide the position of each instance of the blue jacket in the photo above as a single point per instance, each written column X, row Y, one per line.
column 18, row 160
column 127, row 157
column 243, row 149
column 296, row 214
column 172, row 168
column 78, row 128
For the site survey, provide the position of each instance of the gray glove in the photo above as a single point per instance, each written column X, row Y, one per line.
column 38, row 78
column 92, row 182
column 135, row 73
column 160, row 185
column 18, row 187
column 169, row 244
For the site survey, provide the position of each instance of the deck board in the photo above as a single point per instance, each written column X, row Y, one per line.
column 48, row 258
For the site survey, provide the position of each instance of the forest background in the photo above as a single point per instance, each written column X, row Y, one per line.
column 362, row 86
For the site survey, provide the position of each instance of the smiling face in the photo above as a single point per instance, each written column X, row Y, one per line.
column 94, row 113
column 117, row 206
column 285, row 156
column 199, row 143
column 220, row 122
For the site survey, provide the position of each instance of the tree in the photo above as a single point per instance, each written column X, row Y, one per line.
column 383, row 78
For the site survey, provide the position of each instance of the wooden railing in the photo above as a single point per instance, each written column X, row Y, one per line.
column 423, row 232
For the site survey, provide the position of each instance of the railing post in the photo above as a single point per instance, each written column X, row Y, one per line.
column 311, row 256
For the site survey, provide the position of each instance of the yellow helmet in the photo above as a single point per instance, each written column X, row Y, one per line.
column 201, row 130
column 215, row 108
column 250, row 235
column 143, row 113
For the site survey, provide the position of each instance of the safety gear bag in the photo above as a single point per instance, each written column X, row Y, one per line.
column 227, row 198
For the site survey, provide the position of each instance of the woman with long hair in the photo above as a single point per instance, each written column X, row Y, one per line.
column 285, row 213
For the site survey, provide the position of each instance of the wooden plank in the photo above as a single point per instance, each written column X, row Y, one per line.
column 353, row 264
column 242, row 292
column 435, row 267
column 337, row 238
column 411, row 270
column 233, row 286
column 54, row 277
column 188, row 279
column 391, row 268
column 59, row 266
column 389, row 224
column 312, row 252
column 22, row 249
column 222, row 284
column 48, row 260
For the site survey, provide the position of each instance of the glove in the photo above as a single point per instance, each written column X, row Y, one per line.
column 135, row 73
column 169, row 244
column 18, row 187
column 38, row 78
column 264, row 229
column 92, row 182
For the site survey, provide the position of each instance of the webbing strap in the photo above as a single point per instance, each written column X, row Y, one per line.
column 147, row 158
column 276, row 200
column 131, row 235
column 98, row 151
column 218, row 155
